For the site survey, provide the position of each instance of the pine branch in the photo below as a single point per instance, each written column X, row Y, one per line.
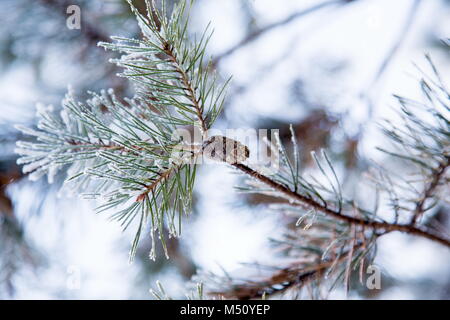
column 151, row 187
column 311, row 203
column 89, row 31
column 437, row 175
column 397, row 44
column 261, row 31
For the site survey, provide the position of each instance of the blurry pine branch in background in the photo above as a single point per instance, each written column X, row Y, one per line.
column 260, row 31
column 121, row 149
column 338, row 236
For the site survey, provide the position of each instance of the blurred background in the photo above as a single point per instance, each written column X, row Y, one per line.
column 327, row 67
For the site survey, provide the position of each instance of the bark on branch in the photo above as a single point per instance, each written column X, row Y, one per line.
column 300, row 199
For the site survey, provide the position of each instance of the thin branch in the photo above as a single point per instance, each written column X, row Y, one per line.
column 437, row 175
column 257, row 33
column 188, row 87
column 375, row 225
column 397, row 44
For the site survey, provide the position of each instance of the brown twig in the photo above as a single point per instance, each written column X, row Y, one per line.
column 438, row 173
column 303, row 200
column 89, row 31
